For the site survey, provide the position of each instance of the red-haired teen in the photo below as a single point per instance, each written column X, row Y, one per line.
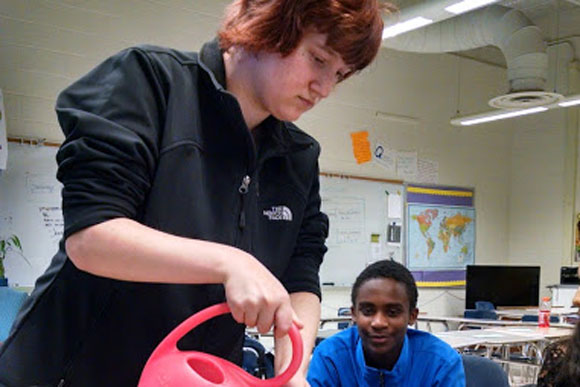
column 186, row 184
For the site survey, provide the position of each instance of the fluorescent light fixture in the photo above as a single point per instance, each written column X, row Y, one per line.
column 467, row 5
column 571, row 102
column 496, row 115
column 411, row 24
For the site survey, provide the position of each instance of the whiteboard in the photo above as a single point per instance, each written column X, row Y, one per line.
column 357, row 209
column 30, row 207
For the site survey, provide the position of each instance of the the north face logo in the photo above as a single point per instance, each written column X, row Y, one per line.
column 279, row 213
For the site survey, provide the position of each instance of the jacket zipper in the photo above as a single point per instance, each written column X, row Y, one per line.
column 381, row 379
column 243, row 190
column 253, row 170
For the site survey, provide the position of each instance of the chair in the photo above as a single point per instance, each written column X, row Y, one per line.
column 483, row 310
column 534, row 318
column 255, row 360
column 344, row 311
column 10, row 302
column 483, row 372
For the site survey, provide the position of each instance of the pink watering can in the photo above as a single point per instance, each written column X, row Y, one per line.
column 171, row 367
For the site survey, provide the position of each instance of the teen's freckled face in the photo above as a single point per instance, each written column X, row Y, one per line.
column 382, row 314
column 288, row 86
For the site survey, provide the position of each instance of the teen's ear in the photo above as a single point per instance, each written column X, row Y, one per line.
column 413, row 316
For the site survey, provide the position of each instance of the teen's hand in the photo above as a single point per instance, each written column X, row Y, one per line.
column 255, row 297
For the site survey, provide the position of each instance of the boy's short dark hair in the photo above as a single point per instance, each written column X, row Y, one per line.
column 387, row 269
column 354, row 27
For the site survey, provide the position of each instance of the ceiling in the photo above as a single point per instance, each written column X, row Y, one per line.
column 558, row 19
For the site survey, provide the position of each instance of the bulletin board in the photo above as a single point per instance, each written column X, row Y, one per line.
column 359, row 208
column 30, row 207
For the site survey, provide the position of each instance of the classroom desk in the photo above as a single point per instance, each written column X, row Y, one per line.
column 324, row 321
column 463, row 323
column 523, row 365
column 486, row 337
column 501, row 334
column 326, row 333
column 550, row 333
column 530, row 333
column 530, row 339
column 321, row 334
column 517, row 314
column 460, row 339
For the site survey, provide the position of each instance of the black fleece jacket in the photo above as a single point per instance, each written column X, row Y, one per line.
column 152, row 135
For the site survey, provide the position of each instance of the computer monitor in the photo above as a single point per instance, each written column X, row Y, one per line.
column 502, row 285
column 569, row 275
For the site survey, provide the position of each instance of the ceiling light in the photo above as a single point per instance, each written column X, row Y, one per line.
column 496, row 115
column 467, row 5
column 411, row 24
column 570, row 102
column 501, row 114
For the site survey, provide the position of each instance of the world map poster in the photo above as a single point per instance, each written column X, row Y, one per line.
column 440, row 237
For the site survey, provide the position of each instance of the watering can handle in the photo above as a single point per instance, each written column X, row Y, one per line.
column 170, row 342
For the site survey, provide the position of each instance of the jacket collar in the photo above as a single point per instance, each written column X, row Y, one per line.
column 212, row 60
column 371, row 375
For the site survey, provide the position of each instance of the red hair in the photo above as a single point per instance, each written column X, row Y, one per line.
column 353, row 27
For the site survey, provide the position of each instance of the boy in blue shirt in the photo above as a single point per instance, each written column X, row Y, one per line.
column 381, row 350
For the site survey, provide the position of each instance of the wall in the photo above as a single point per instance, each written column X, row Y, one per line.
column 425, row 88
column 518, row 167
column 472, row 157
column 47, row 44
column 538, row 187
column 574, row 120
column 544, row 178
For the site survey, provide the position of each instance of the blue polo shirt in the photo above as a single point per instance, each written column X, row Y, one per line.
column 425, row 360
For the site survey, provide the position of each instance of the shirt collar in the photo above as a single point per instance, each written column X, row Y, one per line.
column 370, row 374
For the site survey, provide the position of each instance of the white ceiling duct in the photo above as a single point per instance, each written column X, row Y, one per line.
column 510, row 30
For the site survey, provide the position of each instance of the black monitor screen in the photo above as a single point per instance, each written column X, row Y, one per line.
column 502, row 285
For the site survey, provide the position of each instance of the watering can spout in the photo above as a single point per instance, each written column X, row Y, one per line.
column 171, row 367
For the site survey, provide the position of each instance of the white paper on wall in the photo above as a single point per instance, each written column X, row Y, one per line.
column 407, row 165
column 385, row 157
column 394, row 205
column 427, row 171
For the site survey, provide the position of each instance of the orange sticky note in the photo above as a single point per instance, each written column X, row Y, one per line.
column 361, row 146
